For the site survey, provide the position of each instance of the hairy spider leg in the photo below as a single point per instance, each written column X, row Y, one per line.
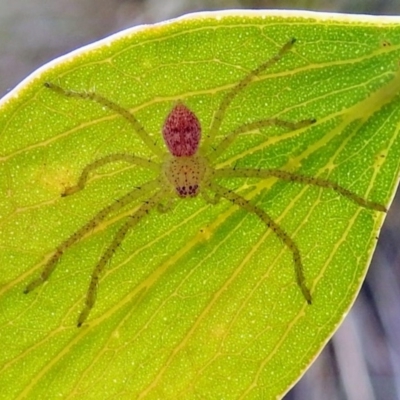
column 291, row 177
column 214, row 199
column 168, row 205
column 138, row 127
column 133, row 220
column 85, row 229
column 287, row 176
column 256, row 125
column 271, row 224
column 230, row 95
column 141, row 162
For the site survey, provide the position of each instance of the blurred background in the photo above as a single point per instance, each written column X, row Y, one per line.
column 362, row 361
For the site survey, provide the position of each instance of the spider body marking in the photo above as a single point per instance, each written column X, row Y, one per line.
column 185, row 172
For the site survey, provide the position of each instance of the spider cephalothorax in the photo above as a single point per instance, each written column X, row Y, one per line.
column 186, row 172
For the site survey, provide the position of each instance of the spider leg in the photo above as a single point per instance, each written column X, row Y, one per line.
column 256, row 125
column 211, row 199
column 137, row 126
column 230, row 95
column 80, row 233
column 271, row 224
column 141, row 162
column 307, row 180
column 133, row 220
column 169, row 205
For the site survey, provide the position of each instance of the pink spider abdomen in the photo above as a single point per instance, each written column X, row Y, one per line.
column 182, row 131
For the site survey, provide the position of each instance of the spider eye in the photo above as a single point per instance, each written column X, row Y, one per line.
column 181, row 191
column 182, row 131
column 188, row 191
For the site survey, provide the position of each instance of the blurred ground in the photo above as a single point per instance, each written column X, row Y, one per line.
column 362, row 361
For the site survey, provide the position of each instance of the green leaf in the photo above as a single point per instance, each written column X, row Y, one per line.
column 201, row 301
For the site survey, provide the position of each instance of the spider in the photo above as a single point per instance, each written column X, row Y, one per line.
column 186, row 171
